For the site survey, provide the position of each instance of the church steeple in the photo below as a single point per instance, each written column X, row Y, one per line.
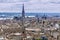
column 37, row 18
column 23, row 11
column 44, row 16
column 23, row 21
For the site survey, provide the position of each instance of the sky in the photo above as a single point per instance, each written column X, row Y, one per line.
column 34, row 6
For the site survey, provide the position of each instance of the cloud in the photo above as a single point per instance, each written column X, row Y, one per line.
column 30, row 5
column 54, row 1
column 12, row 1
column 42, row 6
column 4, row 7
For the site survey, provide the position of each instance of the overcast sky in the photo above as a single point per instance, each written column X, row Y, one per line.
column 43, row 6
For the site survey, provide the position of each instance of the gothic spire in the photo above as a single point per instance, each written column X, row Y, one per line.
column 23, row 11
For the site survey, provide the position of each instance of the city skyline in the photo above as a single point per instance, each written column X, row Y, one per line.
column 35, row 6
